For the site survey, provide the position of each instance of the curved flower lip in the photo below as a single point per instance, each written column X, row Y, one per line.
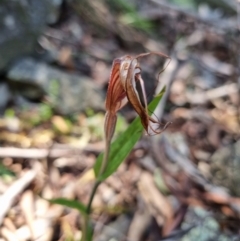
column 126, row 72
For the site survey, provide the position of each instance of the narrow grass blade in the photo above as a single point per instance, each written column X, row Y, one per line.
column 69, row 203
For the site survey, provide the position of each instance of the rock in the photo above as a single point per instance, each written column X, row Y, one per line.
column 4, row 96
column 68, row 93
column 199, row 224
column 225, row 166
column 53, row 10
column 116, row 230
column 21, row 23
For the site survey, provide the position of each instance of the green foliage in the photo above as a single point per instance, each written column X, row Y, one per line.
column 9, row 113
column 136, row 21
column 129, row 15
column 89, row 112
column 160, row 183
column 185, row 3
column 4, row 171
column 90, row 233
column 121, row 125
column 94, row 124
column 35, row 117
column 122, row 146
column 45, row 112
column 70, row 203
column 121, row 5
column 54, row 90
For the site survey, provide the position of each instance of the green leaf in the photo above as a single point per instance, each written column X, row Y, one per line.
column 4, row 171
column 69, row 203
column 123, row 145
column 90, row 233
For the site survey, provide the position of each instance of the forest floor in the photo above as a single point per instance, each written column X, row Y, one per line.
column 183, row 184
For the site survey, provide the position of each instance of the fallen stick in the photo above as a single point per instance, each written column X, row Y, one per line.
column 32, row 152
column 219, row 92
column 8, row 198
column 29, row 153
column 166, row 80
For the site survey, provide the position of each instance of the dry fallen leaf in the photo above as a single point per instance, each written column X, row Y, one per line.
column 156, row 202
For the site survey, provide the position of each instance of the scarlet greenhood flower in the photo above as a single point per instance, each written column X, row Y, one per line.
column 126, row 72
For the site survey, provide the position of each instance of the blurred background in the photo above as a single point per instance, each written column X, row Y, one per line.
column 55, row 61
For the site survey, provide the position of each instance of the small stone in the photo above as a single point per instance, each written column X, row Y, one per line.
column 67, row 93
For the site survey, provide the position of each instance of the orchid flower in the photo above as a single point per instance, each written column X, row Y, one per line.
column 125, row 73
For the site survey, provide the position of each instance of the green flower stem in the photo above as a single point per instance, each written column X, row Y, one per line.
column 108, row 138
column 86, row 226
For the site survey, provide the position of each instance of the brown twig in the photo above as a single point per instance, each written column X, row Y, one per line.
column 55, row 152
column 7, row 199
